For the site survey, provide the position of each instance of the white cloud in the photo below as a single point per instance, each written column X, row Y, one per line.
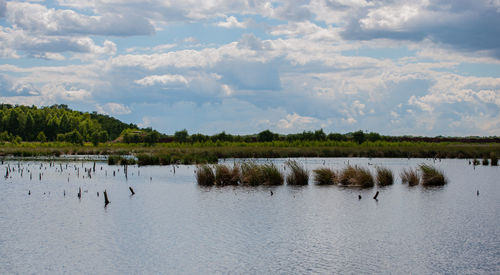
column 113, row 108
column 295, row 121
column 232, row 22
column 38, row 19
column 164, row 80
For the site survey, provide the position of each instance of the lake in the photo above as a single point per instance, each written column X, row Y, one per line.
column 173, row 226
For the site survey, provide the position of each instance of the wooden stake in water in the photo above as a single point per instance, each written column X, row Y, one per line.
column 106, row 200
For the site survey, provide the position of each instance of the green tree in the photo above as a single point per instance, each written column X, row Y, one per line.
column 75, row 137
column 41, row 137
column 266, row 136
column 372, row 136
column 358, row 136
column 152, row 137
column 181, row 136
column 29, row 129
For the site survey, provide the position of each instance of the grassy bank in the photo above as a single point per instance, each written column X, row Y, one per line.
column 210, row 152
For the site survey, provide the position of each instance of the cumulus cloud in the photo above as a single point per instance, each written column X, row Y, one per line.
column 463, row 25
column 12, row 41
column 232, row 22
column 321, row 64
column 113, row 108
column 39, row 19
column 164, row 80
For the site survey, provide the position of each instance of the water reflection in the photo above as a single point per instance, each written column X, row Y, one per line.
column 172, row 225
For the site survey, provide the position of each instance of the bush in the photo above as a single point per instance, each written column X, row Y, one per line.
column 384, row 176
column 205, row 176
column 298, row 174
column 432, row 176
column 410, row 176
column 324, row 176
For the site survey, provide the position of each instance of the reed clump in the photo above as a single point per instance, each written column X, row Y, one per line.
column 486, row 161
column 225, row 175
column 271, row 174
column 356, row 176
column 120, row 160
column 205, row 175
column 431, row 176
column 494, row 159
column 251, row 174
column 324, row 176
column 384, row 176
column 298, row 174
column 410, row 176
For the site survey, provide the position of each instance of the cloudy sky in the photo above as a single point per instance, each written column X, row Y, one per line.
column 394, row 67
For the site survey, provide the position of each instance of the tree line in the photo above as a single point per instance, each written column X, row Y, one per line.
column 57, row 123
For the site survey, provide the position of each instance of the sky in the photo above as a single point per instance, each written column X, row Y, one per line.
column 393, row 67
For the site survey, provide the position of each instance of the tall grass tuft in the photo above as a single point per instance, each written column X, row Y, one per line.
column 298, row 174
column 384, row 176
column 494, row 159
column 346, row 175
column 324, row 176
column 356, row 176
column 410, row 176
column 486, row 161
column 432, row 176
column 205, row 175
column 271, row 174
column 224, row 175
column 251, row 174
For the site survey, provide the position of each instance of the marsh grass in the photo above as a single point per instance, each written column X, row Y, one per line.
column 410, row 176
column 356, row 176
column 431, row 176
column 298, row 174
column 251, row 174
column 205, row 175
column 384, row 176
column 271, row 174
column 486, row 161
column 224, row 175
column 120, row 160
column 494, row 159
column 324, row 176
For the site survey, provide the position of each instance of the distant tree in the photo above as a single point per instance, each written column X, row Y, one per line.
column 152, row 137
column 358, row 136
column 266, row 136
column 199, row 138
column 181, row 136
column 41, row 137
column 319, row 135
column 336, row 137
column 75, row 137
column 29, row 129
column 372, row 136
column 95, row 138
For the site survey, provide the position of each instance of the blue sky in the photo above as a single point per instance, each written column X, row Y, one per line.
column 393, row 67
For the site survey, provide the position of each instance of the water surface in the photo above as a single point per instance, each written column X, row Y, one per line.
column 174, row 226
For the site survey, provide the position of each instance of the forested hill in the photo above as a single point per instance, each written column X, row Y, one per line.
column 57, row 122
